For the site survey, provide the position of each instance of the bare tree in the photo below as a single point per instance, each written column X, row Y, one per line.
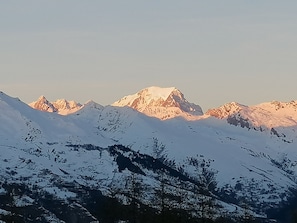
column 134, row 191
column 203, row 189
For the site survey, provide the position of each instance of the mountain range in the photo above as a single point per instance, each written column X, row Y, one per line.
column 65, row 162
column 60, row 106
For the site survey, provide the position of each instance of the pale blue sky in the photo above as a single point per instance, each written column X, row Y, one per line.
column 213, row 51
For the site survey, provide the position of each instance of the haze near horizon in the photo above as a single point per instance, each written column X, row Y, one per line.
column 214, row 52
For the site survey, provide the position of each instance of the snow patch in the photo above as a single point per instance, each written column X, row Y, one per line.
column 23, row 201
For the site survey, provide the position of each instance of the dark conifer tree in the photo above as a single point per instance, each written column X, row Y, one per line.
column 204, row 202
column 134, row 189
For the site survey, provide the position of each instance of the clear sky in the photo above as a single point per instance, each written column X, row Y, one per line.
column 214, row 51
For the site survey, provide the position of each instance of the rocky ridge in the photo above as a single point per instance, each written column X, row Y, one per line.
column 60, row 106
column 162, row 103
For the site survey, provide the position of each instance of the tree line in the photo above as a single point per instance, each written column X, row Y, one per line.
column 167, row 198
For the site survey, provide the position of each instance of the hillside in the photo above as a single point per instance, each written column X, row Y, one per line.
column 70, row 167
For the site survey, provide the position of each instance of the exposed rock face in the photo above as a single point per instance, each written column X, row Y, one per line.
column 225, row 110
column 64, row 169
column 268, row 114
column 61, row 106
column 162, row 103
column 277, row 118
column 43, row 104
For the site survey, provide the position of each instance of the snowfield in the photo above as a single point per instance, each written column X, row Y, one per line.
column 251, row 150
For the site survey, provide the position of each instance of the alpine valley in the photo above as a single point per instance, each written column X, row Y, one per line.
column 149, row 157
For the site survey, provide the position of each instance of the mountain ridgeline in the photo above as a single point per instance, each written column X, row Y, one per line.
column 149, row 157
column 162, row 103
column 60, row 106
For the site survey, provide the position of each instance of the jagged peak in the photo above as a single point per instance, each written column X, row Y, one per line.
column 158, row 92
column 40, row 100
column 61, row 106
column 147, row 95
column 279, row 104
column 42, row 97
column 91, row 103
column 163, row 103
column 61, row 100
column 43, row 104
column 225, row 110
column 65, row 104
column 232, row 105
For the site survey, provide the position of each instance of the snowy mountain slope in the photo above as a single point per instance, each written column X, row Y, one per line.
column 225, row 110
column 61, row 106
column 279, row 118
column 226, row 145
column 61, row 155
column 163, row 103
column 269, row 114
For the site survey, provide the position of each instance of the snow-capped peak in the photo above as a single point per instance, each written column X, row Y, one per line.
column 42, row 98
column 162, row 103
column 280, row 107
column 225, row 110
column 65, row 107
column 75, row 157
column 43, row 104
column 280, row 118
column 148, row 94
column 155, row 93
column 61, row 106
